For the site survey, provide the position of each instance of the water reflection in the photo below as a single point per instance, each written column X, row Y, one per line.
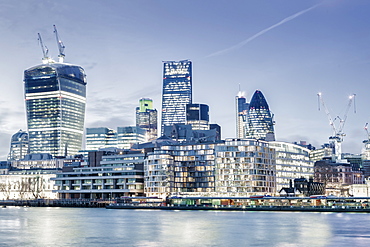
column 98, row 227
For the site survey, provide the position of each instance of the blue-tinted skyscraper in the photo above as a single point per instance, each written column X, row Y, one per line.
column 177, row 92
column 260, row 119
column 197, row 115
column 241, row 115
column 55, row 95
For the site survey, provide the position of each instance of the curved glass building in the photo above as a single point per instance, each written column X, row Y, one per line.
column 18, row 146
column 260, row 119
column 55, row 95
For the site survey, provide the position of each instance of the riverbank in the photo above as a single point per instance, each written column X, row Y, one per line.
column 341, row 209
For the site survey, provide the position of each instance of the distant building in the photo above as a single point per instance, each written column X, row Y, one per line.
column 337, row 177
column 242, row 108
column 130, row 135
column 197, row 115
column 324, row 152
column 102, row 137
column 260, row 119
column 55, row 95
column 146, row 118
column 177, row 92
column 19, row 146
column 185, row 133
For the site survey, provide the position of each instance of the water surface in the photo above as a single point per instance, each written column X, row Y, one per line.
column 25, row 226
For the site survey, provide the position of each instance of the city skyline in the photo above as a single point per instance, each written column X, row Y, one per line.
column 289, row 50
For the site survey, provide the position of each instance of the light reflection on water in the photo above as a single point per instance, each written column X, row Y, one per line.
column 98, row 227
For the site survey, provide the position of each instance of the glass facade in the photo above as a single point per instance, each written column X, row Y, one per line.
column 197, row 115
column 146, row 118
column 245, row 168
column 130, row 135
column 18, row 146
column 55, row 96
column 177, row 92
column 292, row 161
column 241, row 115
column 260, row 119
column 102, row 137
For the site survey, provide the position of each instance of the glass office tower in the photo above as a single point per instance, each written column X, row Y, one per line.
column 197, row 115
column 241, row 115
column 177, row 92
column 146, row 118
column 260, row 119
column 55, row 95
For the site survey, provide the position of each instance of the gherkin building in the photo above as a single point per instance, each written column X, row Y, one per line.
column 260, row 119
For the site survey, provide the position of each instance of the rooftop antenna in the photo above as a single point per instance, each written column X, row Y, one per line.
column 60, row 46
column 45, row 50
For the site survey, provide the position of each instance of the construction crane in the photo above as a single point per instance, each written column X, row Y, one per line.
column 45, row 50
column 366, row 150
column 336, row 139
column 60, row 46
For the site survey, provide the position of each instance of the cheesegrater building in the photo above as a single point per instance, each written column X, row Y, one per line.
column 55, row 95
column 177, row 92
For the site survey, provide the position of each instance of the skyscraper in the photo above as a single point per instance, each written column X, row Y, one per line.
column 197, row 115
column 241, row 115
column 146, row 118
column 177, row 92
column 55, row 95
column 260, row 119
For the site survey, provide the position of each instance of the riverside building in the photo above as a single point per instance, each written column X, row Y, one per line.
column 292, row 162
column 117, row 175
column 177, row 92
column 245, row 167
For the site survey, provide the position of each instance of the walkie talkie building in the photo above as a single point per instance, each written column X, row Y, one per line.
column 55, row 95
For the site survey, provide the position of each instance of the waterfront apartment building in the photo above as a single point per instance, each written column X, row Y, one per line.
column 180, row 169
column 146, row 118
column 292, row 162
column 242, row 107
column 197, row 115
column 55, row 96
column 260, row 119
column 245, row 167
column 18, row 146
column 177, row 92
column 119, row 175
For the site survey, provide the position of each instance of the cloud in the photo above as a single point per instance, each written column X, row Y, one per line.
column 243, row 43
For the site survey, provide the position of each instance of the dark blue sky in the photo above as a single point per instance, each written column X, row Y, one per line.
column 290, row 50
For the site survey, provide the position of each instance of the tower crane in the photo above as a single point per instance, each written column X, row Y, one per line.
column 366, row 150
column 45, row 50
column 60, row 45
column 336, row 138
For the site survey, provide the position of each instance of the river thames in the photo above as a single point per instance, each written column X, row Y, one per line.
column 32, row 226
